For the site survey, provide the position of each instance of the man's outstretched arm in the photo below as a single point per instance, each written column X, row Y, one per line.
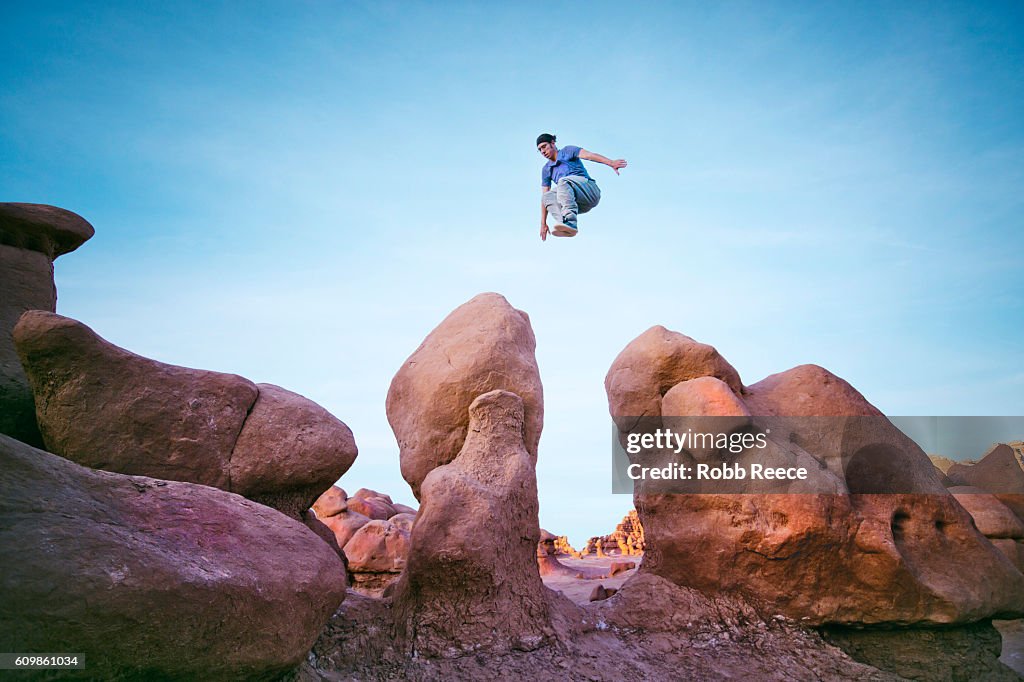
column 615, row 164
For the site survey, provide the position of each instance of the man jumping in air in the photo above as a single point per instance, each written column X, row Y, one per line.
column 575, row 192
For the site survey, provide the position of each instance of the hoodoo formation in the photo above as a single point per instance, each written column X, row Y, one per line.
column 160, row 532
column 32, row 236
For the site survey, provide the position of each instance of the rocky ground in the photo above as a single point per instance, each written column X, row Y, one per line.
column 651, row 630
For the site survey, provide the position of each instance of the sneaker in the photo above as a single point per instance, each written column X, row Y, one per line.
column 563, row 230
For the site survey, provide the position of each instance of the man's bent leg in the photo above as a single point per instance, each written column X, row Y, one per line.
column 588, row 194
column 550, row 201
column 565, row 190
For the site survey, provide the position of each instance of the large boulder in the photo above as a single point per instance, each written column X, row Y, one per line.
column 652, row 364
column 374, row 507
column 288, row 450
column 332, row 501
column 906, row 553
column 32, row 236
column 483, row 345
column 1001, row 470
column 993, row 518
column 376, row 555
column 338, row 529
column 107, row 408
column 155, row 579
column 471, row 582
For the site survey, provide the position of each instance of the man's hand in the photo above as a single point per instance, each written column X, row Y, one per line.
column 615, row 164
column 544, row 231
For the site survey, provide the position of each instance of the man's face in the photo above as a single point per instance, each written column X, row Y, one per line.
column 548, row 150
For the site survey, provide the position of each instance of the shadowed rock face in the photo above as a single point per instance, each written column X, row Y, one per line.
column 155, row 578
column 999, row 471
column 31, row 237
column 49, row 230
column 471, row 582
column 823, row 558
column 483, row 345
column 107, row 408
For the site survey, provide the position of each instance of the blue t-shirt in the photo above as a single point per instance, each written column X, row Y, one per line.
column 567, row 162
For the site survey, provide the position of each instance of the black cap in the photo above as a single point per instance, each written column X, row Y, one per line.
column 545, row 137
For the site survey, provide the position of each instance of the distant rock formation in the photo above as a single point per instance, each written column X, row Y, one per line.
column 483, row 345
column 626, row 540
column 376, row 554
column 547, row 557
column 376, row 549
column 107, row 408
column 144, row 575
column 472, row 583
column 1001, row 470
column 943, row 463
column 32, row 236
column 564, row 548
column 821, row 558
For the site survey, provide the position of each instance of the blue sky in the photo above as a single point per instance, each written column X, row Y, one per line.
column 299, row 192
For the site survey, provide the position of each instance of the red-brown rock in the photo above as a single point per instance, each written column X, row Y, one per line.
column 376, row 553
column 333, row 501
column 31, row 237
column 1000, row 471
column 600, row 593
column 114, row 410
column 472, row 583
column 378, row 546
column 993, row 518
column 344, row 525
column 620, row 567
column 367, row 494
column 839, row 558
column 403, row 521
column 45, row 229
column 483, row 345
column 374, row 507
column 155, row 579
column 652, row 364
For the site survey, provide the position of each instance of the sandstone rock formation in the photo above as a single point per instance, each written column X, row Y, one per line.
column 374, row 549
column 652, row 364
column 483, row 345
column 620, row 567
column 477, row 588
column 995, row 520
column 32, row 236
column 374, row 507
column 600, row 593
column 376, row 555
column 944, row 463
column 155, row 579
column 110, row 409
column 404, row 520
column 332, row 519
column 626, row 540
column 895, row 556
column 547, row 557
column 651, row 630
column 331, row 502
column 563, row 547
column 1001, row 470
